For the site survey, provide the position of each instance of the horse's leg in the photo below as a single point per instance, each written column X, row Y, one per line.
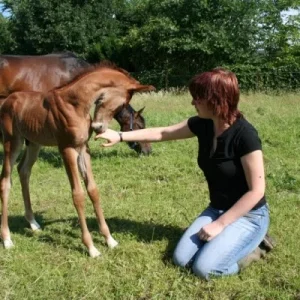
column 70, row 156
column 24, row 169
column 84, row 163
column 12, row 148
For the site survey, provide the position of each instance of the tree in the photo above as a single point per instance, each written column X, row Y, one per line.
column 278, row 37
column 6, row 39
column 207, row 33
column 77, row 25
column 182, row 37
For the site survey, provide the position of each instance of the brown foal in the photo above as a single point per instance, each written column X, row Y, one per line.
column 42, row 73
column 61, row 118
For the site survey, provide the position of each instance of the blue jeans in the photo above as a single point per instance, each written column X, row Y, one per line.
column 220, row 255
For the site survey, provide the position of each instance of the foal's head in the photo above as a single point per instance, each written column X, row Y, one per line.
column 117, row 91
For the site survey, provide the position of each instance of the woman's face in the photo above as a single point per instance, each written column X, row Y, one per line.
column 202, row 109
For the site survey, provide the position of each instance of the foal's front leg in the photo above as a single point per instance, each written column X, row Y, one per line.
column 12, row 148
column 84, row 164
column 70, row 156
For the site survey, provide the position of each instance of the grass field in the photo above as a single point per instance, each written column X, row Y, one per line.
column 148, row 201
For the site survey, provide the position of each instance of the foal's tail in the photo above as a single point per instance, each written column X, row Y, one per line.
column 82, row 165
column 1, row 135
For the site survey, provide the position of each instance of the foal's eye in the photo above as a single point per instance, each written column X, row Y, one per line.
column 99, row 99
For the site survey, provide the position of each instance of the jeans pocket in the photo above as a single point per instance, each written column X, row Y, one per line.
column 257, row 216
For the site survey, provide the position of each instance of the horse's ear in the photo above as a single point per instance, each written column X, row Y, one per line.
column 139, row 88
column 139, row 112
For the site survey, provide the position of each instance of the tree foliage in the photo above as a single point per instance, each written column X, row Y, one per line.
column 169, row 38
column 6, row 39
column 77, row 25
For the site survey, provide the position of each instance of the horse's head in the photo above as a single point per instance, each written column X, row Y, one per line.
column 117, row 89
column 129, row 120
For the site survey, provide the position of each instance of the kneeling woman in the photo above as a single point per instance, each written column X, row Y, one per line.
column 230, row 155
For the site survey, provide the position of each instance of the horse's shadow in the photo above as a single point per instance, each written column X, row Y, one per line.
column 53, row 157
column 145, row 232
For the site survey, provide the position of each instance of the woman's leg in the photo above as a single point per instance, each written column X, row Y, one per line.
column 190, row 244
column 220, row 256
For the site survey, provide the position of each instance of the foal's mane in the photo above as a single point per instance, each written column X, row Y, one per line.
column 102, row 65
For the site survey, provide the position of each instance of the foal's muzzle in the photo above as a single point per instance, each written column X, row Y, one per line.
column 98, row 127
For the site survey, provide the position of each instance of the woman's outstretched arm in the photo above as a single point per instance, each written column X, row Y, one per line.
column 155, row 134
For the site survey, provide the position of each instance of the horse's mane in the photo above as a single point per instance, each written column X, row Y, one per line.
column 63, row 54
column 110, row 65
column 105, row 64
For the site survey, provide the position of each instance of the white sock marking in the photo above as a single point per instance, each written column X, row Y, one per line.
column 111, row 242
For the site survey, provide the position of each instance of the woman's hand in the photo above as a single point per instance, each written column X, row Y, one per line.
column 111, row 136
column 211, row 230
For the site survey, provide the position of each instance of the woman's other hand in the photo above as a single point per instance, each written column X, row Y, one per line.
column 211, row 230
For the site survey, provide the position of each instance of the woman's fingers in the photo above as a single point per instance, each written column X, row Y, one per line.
column 112, row 137
column 107, row 144
column 203, row 235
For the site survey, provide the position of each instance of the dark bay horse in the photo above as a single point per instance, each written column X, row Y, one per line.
column 42, row 73
column 61, row 117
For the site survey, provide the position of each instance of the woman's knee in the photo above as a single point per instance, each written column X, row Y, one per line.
column 179, row 259
column 204, row 267
column 202, row 270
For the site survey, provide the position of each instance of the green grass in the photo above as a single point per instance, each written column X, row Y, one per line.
column 148, row 201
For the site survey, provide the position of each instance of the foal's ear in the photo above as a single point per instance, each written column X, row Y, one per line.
column 139, row 112
column 139, row 88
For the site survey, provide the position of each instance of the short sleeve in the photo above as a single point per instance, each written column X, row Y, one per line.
column 197, row 125
column 248, row 142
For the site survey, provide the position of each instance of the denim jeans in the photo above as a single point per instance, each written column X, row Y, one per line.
column 220, row 255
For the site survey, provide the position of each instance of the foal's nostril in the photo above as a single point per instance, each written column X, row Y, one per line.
column 97, row 127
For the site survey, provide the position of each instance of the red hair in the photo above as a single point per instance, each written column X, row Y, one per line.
column 220, row 91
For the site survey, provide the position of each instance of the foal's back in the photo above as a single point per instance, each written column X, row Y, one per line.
column 28, row 115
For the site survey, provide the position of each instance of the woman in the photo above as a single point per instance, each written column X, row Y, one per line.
column 224, row 236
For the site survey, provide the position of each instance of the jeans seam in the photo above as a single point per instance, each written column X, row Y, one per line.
column 229, row 257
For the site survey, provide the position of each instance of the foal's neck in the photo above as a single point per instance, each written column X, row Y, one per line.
column 83, row 92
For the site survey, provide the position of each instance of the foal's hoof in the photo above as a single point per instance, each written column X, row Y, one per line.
column 111, row 242
column 8, row 243
column 93, row 252
column 34, row 225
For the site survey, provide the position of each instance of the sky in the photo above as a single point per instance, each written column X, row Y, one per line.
column 284, row 14
column 290, row 12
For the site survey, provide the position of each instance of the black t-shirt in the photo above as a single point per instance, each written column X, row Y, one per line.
column 223, row 169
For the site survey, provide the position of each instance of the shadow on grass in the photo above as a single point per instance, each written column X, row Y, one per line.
column 145, row 232
column 53, row 157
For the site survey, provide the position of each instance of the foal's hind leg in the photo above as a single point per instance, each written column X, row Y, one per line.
column 24, row 169
column 12, row 148
column 84, row 163
column 70, row 156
